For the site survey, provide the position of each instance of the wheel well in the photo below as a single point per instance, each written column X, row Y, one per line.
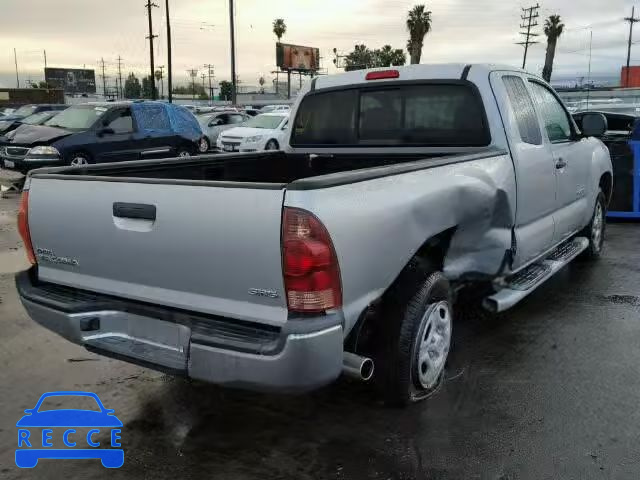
column 78, row 152
column 274, row 141
column 431, row 255
column 606, row 184
column 435, row 249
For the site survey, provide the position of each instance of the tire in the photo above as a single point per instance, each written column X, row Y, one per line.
column 204, row 145
column 595, row 231
column 79, row 159
column 418, row 314
column 184, row 152
column 272, row 145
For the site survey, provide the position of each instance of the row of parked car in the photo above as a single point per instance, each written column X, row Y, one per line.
column 35, row 136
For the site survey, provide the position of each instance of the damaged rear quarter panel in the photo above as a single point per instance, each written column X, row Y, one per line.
column 378, row 225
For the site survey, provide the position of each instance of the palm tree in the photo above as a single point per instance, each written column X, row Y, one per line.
column 418, row 24
column 279, row 28
column 552, row 29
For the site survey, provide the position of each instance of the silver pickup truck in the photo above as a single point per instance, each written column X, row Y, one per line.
column 396, row 190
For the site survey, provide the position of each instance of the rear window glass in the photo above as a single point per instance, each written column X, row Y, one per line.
column 153, row 117
column 417, row 115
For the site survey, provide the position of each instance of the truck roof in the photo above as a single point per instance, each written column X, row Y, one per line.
column 411, row 72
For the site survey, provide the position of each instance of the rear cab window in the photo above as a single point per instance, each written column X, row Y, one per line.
column 434, row 114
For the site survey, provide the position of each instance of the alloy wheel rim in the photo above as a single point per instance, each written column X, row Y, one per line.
column 433, row 344
column 79, row 161
column 203, row 145
column 184, row 153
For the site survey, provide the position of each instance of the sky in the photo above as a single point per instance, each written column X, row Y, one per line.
column 79, row 33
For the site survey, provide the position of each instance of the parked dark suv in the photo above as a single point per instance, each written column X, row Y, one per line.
column 103, row 132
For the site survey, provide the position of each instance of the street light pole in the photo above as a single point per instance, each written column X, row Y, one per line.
column 233, row 54
column 169, row 71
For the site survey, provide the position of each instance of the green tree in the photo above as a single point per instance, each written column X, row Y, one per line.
column 148, row 83
column 226, row 90
column 387, row 56
column 418, row 25
column 132, row 88
column 279, row 28
column 553, row 28
column 361, row 57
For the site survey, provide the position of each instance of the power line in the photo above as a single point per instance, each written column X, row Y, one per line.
column 632, row 19
column 151, row 36
column 529, row 16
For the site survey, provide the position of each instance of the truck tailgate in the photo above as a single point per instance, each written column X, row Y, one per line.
column 210, row 249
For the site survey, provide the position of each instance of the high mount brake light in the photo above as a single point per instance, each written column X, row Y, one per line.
column 310, row 265
column 382, row 74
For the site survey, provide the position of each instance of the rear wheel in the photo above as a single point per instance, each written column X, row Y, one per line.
column 271, row 145
column 418, row 316
column 184, row 152
column 204, row 145
column 596, row 229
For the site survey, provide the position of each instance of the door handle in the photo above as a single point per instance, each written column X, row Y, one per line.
column 560, row 164
column 134, row 210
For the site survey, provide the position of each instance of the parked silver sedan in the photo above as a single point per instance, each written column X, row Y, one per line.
column 215, row 122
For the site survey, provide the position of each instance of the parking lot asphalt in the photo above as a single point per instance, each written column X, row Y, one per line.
column 551, row 389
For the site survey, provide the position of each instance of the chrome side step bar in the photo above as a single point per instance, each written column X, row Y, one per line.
column 519, row 285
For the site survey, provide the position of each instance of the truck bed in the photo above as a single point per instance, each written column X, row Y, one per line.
column 272, row 170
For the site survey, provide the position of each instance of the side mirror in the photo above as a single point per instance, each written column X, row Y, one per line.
column 594, row 124
column 106, row 131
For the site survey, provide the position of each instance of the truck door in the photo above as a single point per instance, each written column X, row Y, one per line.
column 534, row 167
column 572, row 161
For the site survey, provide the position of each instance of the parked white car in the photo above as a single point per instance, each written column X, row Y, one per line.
column 275, row 108
column 262, row 132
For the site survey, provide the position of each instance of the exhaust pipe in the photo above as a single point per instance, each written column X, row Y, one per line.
column 360, row 368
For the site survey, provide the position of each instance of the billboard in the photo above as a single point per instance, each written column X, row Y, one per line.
column 296, row 57
column 71, row 80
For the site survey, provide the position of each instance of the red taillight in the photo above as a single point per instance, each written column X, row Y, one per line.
column 311, row 272
column 382, row 74
column 23, row 226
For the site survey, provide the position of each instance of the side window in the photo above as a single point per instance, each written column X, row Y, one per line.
column 153, row 117
column 222, row 119
column 236, row 119
column 121, row 122
column 554, row 116
column 522, row 106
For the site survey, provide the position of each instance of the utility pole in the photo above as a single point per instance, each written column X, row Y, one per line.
column 169, row 71
column 203, row 76
column 529, row 17
column 632, row 19
column 104, row 80
column 161, row 68
column 210, row 70
column 15, row 59
column 120, row 91
column 45, row 69
column 151, row 36
column 193, row 73
column 233, row 54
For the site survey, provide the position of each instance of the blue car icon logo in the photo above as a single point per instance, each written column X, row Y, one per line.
column 75, row 429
